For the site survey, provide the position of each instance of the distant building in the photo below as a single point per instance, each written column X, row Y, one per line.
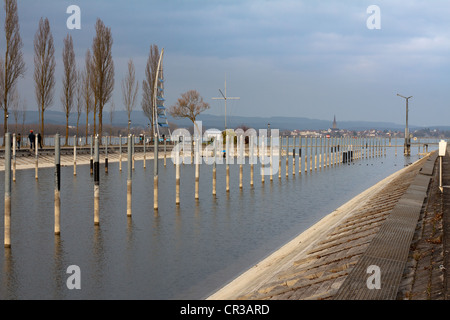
column 334, row 123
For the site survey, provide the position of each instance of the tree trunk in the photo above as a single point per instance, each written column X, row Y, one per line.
column 42, row 128
column 87, row 127
column 78, row 120
column 67, row 130
column 95, row 124
column 5, row 122
column 100, row 125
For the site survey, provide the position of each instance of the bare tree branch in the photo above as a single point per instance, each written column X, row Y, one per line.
column 148, row 83
column 189, row 106
column 44, row 68
column 14, row 65
column 79, row 97
column 69, row 80
column 103, row 69
column 129, row 91
column 86, row 77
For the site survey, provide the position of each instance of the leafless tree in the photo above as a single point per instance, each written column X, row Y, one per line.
column 44, row 69
column 129, row 91
column 149, row 82
column 79, row 98
column 103, row 69
column 189, row 106
column 87, row 90
column 13, row 65
column 69, row 79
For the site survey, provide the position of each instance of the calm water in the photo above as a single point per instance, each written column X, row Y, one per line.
column 184, row 252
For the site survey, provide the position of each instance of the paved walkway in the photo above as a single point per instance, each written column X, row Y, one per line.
column 396, row 226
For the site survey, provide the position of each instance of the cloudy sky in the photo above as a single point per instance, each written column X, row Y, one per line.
column 297, row 58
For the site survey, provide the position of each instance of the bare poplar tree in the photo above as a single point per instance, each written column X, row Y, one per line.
column 129, row 91
column 189, row 106
column 44, row 69
column 149, row 82
column 14, row 65
column 69, row 79
column 87, row 90
column 79, row 98
column 103, row 69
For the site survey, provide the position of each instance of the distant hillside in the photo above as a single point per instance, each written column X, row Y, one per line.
column 138, row 119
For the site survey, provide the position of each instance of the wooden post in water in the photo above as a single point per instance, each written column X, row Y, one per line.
column 280, row 144
column 36, row 148
column 306, row 154
column 395, row 147
column 144, row 151
column 320, row 153
column 155, row 172
column 287, row 156
column 214, row 167
column 251, row 157
column 270, row 155
column 120, row 152
column 57, row 185
column 14, row 157
column 311, row 155
column 92, row 159
column 7, row 226
column 197, row 165
column 96, row 183
column 293, row 155
column 74, row 154
column 177, row 177
column 241, row 160
column 164, row 151
column 132, row 147
column 227, row 160
column 106, row 155
column 263, row 156
column 336, row 151
column 300, row 155
column 315, row 153
column 129, row 176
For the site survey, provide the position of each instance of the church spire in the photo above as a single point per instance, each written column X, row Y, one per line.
column 334, row 122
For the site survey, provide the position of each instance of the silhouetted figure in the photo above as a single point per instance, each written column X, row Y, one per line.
column 39, row 140
column 19, row 140
column 32, row 138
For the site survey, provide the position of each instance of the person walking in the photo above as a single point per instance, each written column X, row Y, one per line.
column 19, row 140
column 39, row 140
column 32, row 138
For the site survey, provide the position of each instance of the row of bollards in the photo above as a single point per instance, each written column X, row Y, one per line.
column 308, row 153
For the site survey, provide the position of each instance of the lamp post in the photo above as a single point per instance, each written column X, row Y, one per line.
column 407, row 145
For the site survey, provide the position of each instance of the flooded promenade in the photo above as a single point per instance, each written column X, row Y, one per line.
column 184, row 251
